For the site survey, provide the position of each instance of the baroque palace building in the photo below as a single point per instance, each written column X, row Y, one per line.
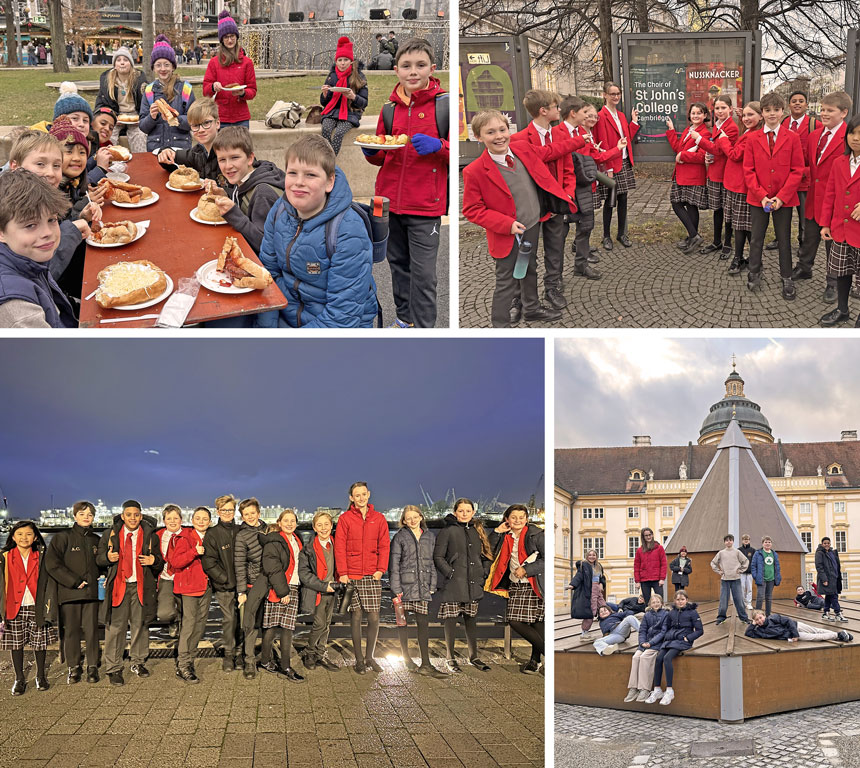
column 605, row 496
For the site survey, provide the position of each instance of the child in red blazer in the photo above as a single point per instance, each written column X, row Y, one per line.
column 823, row 146
column 611, row 126
column 689, row 193
column 715, row 162
column 841, row 209
column 773, row 167
column 501, row 194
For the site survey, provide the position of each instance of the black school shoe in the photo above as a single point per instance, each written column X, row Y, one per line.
column 789, row 292
column 270, row 667
column 773, row 245
column 19, row 687
column 726, row 252
column 607, row 243
column 116, row 678
column 694, row 243
column 249, row 672
column 625, row 241
column 75, row 674
column 92, row 674
column 372, row 664
column 310, row 661
column 542, row 315
column 229, row 664
column 140, row 670
column 428, row 670
column 834, row 317
column 531, row 667
column 737, row 266
column 555, row 297
column 290, row 674
column 42, row 683
column 711, row 248
column 516, row 311
column 326, row 664
column 844, row 636
column 359, row 667
column 682, row 244
column 453, row 666
column 478, row 664
column 754, row 281
column 188, row 676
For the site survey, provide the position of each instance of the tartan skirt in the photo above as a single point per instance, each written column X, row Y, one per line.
column 417, row 606
column 523, row 604
column 367, row 595
column 22, row 630
column 716, row 194
column 692, row 194
column 624, row 180
column 843, row 260
column 453, row 610
column 737, row 211
column 596, row 198
column 280, row 615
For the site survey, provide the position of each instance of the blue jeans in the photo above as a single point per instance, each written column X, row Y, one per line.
column 619, row 634
column 733, row 586
column 240, row 124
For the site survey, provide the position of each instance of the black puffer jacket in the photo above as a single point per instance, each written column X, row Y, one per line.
column 826, row 571
column 218, row 557
column 461, row 564
column 248, row 554
column 277, row 558
column 410, row 565
column 106, row 98
column 71, row 560
column 580, row 605
column 775, row 627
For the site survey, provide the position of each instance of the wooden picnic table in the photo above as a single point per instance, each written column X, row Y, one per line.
column 176, row 244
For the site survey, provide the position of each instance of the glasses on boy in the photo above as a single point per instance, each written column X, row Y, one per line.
column 202, row 127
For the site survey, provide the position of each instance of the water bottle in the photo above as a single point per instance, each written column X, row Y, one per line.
column 102, row 580
column 379, row 226
column 399, row 611
column 523, row 257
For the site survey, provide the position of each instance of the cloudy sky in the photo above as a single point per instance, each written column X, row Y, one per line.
column 291, row 422
column 606, row 391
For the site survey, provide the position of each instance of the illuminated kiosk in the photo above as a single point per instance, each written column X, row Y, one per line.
column 726, row 676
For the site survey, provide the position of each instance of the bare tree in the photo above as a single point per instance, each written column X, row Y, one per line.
column 147, row 24
column 11, row 42
column 58, row 35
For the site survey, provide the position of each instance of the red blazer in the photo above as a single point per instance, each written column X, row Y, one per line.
column 803, row 133
column 19, row 580
column 733, row 175
column 560, row 167
column 606, row 132
column 717, row 169
column 189, row 577
column 843, row 193
column 649, row 566
column 691, row 172
column 488, row 202
column 362, row 544
column 776, row 176
column 819, row 171
column 600, row 156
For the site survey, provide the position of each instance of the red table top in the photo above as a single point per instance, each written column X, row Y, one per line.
column 176, row 244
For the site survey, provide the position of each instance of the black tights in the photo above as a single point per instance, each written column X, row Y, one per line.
column 621, row 206
column 423, row 623
column 722, row 235
column 533, row 633
column 471, row 625
column 372, row 633
column 742, row 236
column 664, row 658
column 286, row 646
column 18, row 663
column 689, row 216
column 843, row 288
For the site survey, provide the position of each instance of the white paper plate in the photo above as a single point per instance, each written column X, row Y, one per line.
column 235, row 88
column 174, row 189
column 141, row 204
column 128, row 122
column 201, row 221
column 208, row 275
column 151, row 302
column 141, row 231
column 379, row 146
column 338, row 89
column 117, row 176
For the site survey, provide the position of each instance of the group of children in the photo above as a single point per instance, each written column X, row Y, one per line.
column 260, row 576
column 326, row 273
column 665, row 634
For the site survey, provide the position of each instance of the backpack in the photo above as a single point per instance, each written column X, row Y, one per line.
column 442, row 108
column 186, row 94
column 245, row 201
column 284, row 114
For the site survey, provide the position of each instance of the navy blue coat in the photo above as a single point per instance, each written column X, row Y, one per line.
column 652, row 628
column 757, row 568
column 410, row 565
column 613, row 620
column 776, row 627
column 681, row 624
column 161, row 135
column 355, row 108
column 580, row 604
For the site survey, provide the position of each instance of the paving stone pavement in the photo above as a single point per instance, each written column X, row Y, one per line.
column 333, row 720
column 653, row 286
column 605, row 738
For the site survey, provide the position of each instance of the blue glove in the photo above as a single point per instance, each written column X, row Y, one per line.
column 369, row 152
column 426, row 145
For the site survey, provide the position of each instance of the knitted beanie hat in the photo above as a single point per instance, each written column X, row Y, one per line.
column 122, row 51
column 344, row 48
column 162, row 50
column 226, row 25
column 64, row 132
column 70, row 101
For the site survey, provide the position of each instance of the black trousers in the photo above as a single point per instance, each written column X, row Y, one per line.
column 413, row 243
column 782, row 227
column 554, row 231
column 81, row 619
column 581, row 245
column 809, row 248
column 650, row 586
column 508, row 288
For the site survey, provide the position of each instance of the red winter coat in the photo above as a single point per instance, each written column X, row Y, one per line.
column 843, row 193
column 606, row 132
column 717, row 169
column 362, row 544
column 803, row 134
column 691, row 172
column 415, row 184
column 189, row 577
column 488, row 202
column 777, row 175
column 733, row 175
column 649, row 566
column 232, row 107
column 561, row 167
column 819, row 171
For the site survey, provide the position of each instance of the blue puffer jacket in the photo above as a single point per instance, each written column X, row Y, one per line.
column 757, row 568
column 683, row 627
column 27, row 280
column 613, row 620
column 160, row 135
column 410, row 565
column 652, row 628
column 320, row 293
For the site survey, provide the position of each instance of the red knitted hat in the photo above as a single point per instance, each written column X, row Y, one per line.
column 344, row 48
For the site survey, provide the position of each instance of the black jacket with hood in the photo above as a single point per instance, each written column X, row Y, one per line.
column 462, row 567
column 254, row 198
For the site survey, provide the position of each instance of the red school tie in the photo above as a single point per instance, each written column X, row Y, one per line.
column 794, row 126
column 170, row 547
column 509, row 160
column 771, row 140
column 822, row 142
column 127, row 558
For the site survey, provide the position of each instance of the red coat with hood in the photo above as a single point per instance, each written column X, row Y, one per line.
column 232, row 107
column 649, row 566
column 362, row 544
column 415, row 184
column 189, row 577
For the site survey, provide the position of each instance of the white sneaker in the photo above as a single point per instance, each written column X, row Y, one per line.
column 826, row 617
column 643, row 695
column 632, row 693
column 585, row 632
column 841, row 617
column 655, row 696
column 609, row 649
column 667, row 697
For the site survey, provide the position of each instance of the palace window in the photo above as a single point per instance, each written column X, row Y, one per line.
column 632, row 545
column 668, row 511
column 593, row 543
column 805, row 508
column 631, row 586
column 592, row 513
column 566, row 545
column 834, row 469
column 841, row 541
column 838, row 507
column 809, row 580
column 632, row 513
column 845, row 581
column 806, row 538
column 637, row 474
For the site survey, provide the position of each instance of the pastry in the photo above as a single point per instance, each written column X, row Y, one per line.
column 110, row 233
column 243, row 272
column 167, row 112
column 185, row 178
column 118, row 152
column 129, row 282
column 128, row 119
column 207, row 210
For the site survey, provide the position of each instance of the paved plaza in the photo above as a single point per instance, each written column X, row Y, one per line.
column 653, row 284
column 824, row 737
column 333, row 720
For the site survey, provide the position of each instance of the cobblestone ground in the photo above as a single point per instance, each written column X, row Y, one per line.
column 336, row 719
column 652, row 286
column 607, row 738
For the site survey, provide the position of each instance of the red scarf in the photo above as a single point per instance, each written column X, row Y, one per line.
column 504, row 559
column 273, row 597
column 129, row 563
column 322, row 571
column 340, row 98
column 19, row 579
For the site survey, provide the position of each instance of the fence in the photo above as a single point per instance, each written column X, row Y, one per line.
column 311, row 44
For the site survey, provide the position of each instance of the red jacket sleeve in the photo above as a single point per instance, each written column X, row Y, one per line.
column 552, row 151
column 210, row 77
column 795, row 173
column 663, row 563
column 637, row 565
column 674, row 140
column 183, row 553
column 384, row 547
column 733, row 153
column 632, row 129
column 476, row 210
column 750, row 175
